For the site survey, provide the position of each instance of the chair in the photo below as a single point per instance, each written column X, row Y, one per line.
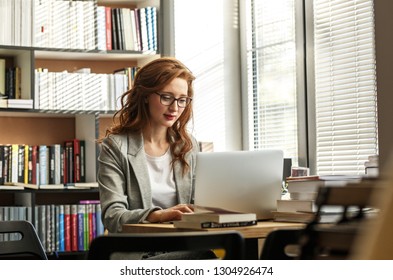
column 102, row 247
column 335, row 241
column 324, row 240
column 26, row 244
column 281, row 244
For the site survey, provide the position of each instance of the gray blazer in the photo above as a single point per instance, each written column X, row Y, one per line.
column 124, row 185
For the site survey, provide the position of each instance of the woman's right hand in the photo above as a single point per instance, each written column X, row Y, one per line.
column 169, row 214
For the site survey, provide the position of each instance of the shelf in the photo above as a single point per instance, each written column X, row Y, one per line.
column 94, row 55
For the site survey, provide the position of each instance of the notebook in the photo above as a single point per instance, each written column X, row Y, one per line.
column 244, row 181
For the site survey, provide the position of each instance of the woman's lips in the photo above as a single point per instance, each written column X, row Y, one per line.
column 170, row 117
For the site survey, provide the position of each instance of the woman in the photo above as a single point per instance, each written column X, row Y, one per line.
column 147, row 159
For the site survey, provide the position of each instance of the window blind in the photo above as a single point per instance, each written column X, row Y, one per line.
column 345, row 85
column 271, row 67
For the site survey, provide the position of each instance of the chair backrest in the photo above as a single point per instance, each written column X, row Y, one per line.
column 20, row 241
column 335, row 241
column 232, row 242
column 281, row 244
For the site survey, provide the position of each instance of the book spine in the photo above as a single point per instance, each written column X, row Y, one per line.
column 61, row 229
column 77, row 160
column 85, row 227
column 100, row 225
column 81, row 227
column 2, row 77
column 57, row 164
column 74, row 227
column 6, row 167
column 108, row 28
column 29, row 175
column 82, row 158
column 229, row 224
column 43, row 165
column 67, row 228
column 2, row 165
column 51, row 164
column 14, row 163
column 21, row 163
column 114, row 29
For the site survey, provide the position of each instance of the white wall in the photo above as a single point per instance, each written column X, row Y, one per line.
column 207, row 41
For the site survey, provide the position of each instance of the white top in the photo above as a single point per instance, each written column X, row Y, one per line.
column 162, row 181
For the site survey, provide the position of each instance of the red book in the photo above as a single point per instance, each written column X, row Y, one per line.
column 74, row 160
column 74, row 227
column 108, row 27
column 67, row 228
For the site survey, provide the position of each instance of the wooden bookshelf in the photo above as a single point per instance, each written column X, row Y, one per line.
column 42, row 126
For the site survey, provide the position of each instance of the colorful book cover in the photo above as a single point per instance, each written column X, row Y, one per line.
column 81, row 227
column 67, row 228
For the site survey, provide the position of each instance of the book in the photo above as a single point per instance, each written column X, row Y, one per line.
column 99, row 224
column 51, row 187
column 21, row 163
column 2, row 178
column 4, row 161
column 11, row 187
column 81, row 227
column 296, row 217
column 202, row 225
column 303, row 195
column 203, row 214
column 43, row 159
column 74, row 227
column 20, row 103
column 3, row 103
column 306, row 217
column 87, row 185
column 314, row 182
column 108, row 28
column 23, row 185
column 296, row 205
column 14, row 155
column 67, row 228
column 61, row 232
column 2, row 77
column 75, row 160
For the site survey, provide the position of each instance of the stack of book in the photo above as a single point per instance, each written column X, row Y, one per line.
column 209, row 217
column 299, row 203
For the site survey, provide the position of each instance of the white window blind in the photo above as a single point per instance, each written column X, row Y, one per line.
column 271, row 66
column 345, row 85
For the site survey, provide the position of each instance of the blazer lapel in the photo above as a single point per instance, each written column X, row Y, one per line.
column 137, row 158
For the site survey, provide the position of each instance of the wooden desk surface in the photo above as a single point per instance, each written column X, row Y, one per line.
column 261, row 230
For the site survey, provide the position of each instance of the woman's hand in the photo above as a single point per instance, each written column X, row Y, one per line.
column 169, row 214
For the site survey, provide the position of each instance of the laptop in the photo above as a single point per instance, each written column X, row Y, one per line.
column 243, row 181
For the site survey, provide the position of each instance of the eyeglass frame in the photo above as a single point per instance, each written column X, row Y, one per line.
column 163, row 95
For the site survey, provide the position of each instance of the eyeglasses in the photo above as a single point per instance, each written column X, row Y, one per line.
column 168, row 100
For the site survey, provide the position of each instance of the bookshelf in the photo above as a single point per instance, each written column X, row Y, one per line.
column 33, row 53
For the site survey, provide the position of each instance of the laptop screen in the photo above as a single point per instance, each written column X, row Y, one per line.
column 244, row 181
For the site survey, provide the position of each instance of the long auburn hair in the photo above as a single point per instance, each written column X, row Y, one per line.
column 134, row 113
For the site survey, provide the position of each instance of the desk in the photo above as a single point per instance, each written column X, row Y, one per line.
column 251, row 233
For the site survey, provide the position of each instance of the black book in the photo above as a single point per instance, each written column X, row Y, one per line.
column 115, row 44
column 2, row 165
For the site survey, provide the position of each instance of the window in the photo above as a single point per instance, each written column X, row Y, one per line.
column 339, row 82
column 345, row 85
column 271, row 76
